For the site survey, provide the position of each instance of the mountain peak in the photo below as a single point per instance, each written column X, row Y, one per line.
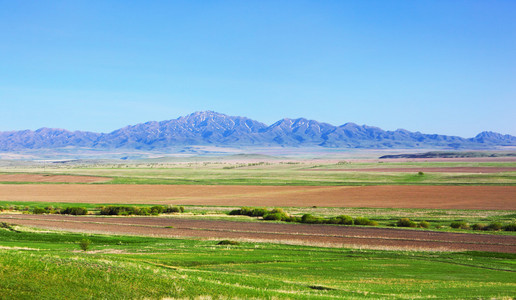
column 213, row 128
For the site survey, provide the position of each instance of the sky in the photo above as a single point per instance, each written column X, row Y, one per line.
column 435, row 66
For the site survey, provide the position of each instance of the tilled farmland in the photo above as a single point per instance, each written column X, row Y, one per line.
column 386, row 196
column 318, row 235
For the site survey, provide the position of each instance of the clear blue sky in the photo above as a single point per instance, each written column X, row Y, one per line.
column 436, row 66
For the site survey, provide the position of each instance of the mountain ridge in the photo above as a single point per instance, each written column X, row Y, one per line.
column 212, row 128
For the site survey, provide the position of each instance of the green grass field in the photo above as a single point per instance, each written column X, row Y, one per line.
column 50, row 265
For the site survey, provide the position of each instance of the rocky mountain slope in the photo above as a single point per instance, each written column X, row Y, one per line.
column 211, row 128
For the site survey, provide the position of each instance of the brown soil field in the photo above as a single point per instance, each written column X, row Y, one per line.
column 428, row 169
column 51, row 178
column 318, row 235
column 388, row 196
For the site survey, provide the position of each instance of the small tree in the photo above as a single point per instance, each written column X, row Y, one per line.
column 85, row 244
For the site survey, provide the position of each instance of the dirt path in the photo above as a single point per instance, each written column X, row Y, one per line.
column 389, row 196
column 318, row 235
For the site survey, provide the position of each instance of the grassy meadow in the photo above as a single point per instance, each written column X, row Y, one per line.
column 50, row 265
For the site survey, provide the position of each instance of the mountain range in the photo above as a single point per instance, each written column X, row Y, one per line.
column 211, row 128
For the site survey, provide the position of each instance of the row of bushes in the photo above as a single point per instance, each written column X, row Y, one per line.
column 494, row 226
column 406, row 222
column 48, row 210
column 142, row 211
column 77, row 211
column 116, row 210
column 277, row 214
column 104, row 210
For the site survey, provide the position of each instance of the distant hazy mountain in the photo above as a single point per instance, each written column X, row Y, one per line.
column 211, row 128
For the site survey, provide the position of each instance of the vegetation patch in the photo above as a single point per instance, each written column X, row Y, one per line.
column 278, row 214
column 228, row 242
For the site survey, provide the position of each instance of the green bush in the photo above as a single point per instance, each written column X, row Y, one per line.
column 157, row 209
column 459, row 225
column 342, row 219
column 235, row 212
column 365, row 222
column 172, row 209
column 259, row 212
column 39, row 210
column 277, row 210
column 84, row 244
column 424, row 224
column 74, row 211
column 510, row 227
column 495, row 226
column 478, row 226
column 309, row 219
column 228, row 242
column 275, row 217
column 406, row 222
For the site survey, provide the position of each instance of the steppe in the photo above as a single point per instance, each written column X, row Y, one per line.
column 290, row 260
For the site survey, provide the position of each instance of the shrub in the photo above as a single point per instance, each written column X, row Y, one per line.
column 293, row 219
column 228, row 242
column 420, row 173
column 275, row 217
column 235, row 212
column 495, row 226
column 74, row 211
column 365, row 222
column 424, row 224
column 122, row 210
column 406, row 222
column 478, row 226
column 39, row 210
column 157, row 209
column 342, row 219
column 277, row 210
column 84, row 244
column 142, row 211
column 172, row 209
column 182, row 209
column 259, row 212
column 309, row 219
column 459, row 225
column 510, row 227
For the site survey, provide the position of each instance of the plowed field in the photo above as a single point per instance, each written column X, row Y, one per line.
column 388, row 196
column 376, row 238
